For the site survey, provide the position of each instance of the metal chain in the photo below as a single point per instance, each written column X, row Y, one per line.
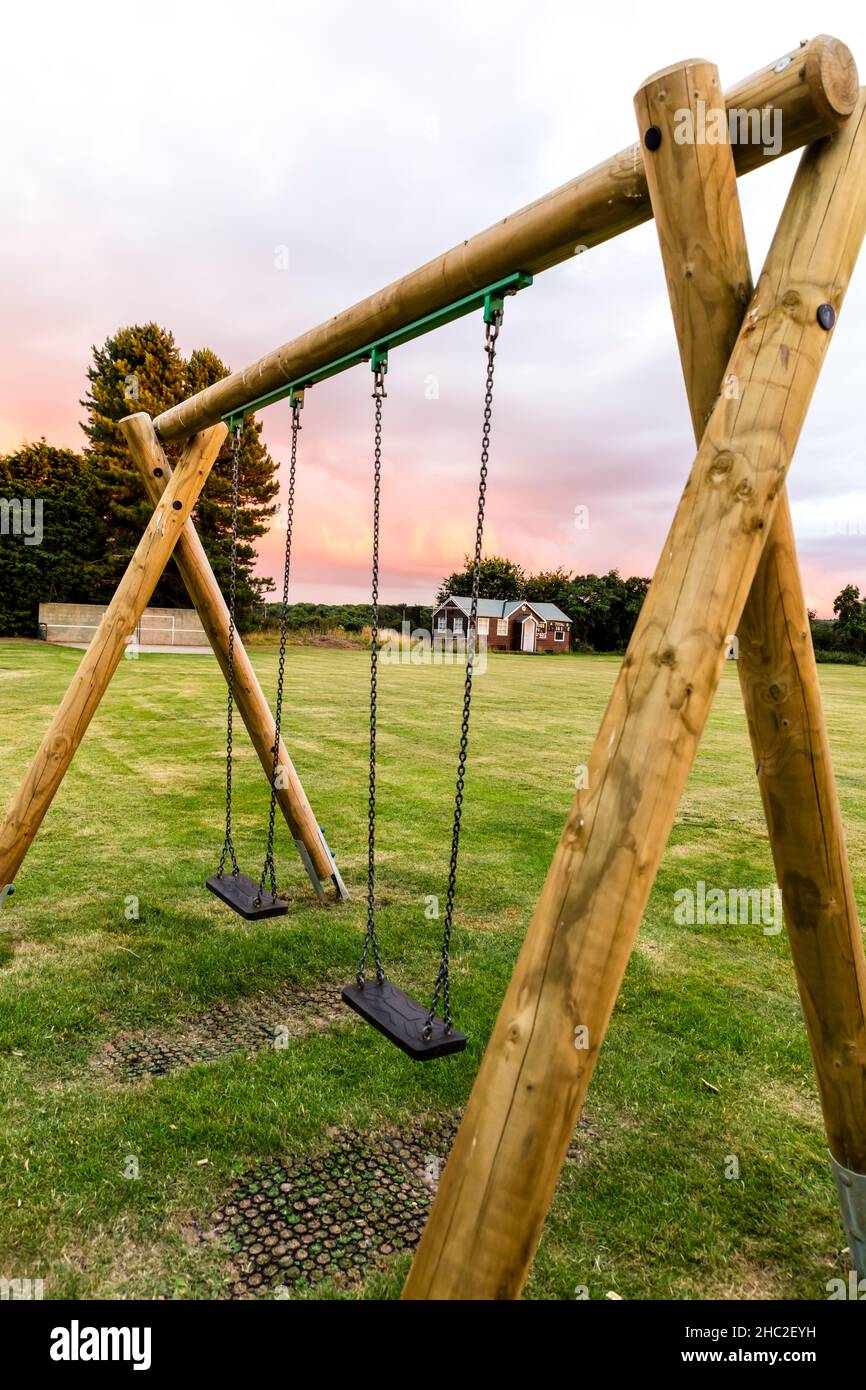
column 228, row 844
column 442, row 987
column 268, row 869
column 370, row 938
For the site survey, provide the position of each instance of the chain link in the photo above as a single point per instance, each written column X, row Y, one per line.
column 442, row 987
column 268, row 869
column 228, row 850
column 370, row 938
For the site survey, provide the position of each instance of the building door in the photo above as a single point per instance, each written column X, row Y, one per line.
column 527, row 636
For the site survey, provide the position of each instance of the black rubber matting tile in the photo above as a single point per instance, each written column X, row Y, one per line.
column 267, row 1020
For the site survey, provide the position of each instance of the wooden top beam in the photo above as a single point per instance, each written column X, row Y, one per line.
column 813, row 90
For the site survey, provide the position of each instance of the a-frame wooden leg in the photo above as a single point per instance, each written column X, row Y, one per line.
column 101, row 659
column 693, row 189
column 500, row 1177
column 205, row 593
column 795, row 774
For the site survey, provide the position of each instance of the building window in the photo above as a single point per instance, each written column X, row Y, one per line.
column 502, row 627
column 559, row 635
column 442, row 622
column 458, row 622
column 483, row 627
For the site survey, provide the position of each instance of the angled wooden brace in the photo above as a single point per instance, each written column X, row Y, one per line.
column 693, row 189
column 206, row 595
column 102, row 657
column 497, row 1187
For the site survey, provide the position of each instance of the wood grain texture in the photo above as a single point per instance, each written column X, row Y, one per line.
column 206, row 595
column 101, row 659
column 500, row 1178
column 813, row 89
column 779, row 680
column 703, row 246
column 693, row 192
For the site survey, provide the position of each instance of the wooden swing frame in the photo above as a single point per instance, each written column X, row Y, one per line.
column 728, row 565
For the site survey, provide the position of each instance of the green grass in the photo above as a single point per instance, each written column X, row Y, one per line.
column 649, row 1213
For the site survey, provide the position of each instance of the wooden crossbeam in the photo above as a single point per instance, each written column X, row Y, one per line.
column 496, row 1189
column 102, row 657
column 205, row 593
column 809, row 91
column 703, row 247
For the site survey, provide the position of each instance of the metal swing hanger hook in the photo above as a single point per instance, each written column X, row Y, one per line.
column 494, row 310
column 379, row 366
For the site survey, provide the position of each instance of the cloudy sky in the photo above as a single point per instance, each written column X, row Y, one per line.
column 158, row 159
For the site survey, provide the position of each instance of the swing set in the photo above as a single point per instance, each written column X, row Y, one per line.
column 729, row 565
column 419, row 1032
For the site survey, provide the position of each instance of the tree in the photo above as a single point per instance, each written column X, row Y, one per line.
column 591, row 607
column 603, row 608
column 636, row 590
column 141, row 368
column 498, row 578
column 257, row 489
column 548, row 586
column 850, row 612
column 67, row 532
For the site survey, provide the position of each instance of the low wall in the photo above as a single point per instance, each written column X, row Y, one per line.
column 159, row 627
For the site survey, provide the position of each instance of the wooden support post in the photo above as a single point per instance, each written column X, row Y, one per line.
column 206, row 595
column 809, row 91
column 501, row 1175
column 693, row 190
column 101, row 659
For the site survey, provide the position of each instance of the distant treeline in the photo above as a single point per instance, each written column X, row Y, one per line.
column 603, row 610
column 347, row 617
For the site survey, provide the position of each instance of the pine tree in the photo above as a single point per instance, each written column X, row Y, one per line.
column 257, row 488
column 141, row 368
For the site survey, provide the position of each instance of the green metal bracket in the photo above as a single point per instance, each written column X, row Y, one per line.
column 491, row 299
column 494, row 303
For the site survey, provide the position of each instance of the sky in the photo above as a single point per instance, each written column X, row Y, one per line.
column 240, row 173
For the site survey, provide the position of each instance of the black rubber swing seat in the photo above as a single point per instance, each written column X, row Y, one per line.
column 402, row 1020
column 239, row 893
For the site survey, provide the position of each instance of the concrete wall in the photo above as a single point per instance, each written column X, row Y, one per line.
column 159, row 627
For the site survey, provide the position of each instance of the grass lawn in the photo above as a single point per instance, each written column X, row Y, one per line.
column 706, row 1056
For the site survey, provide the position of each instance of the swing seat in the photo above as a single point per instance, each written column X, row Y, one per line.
column 239, row 893
column 402, row 1020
